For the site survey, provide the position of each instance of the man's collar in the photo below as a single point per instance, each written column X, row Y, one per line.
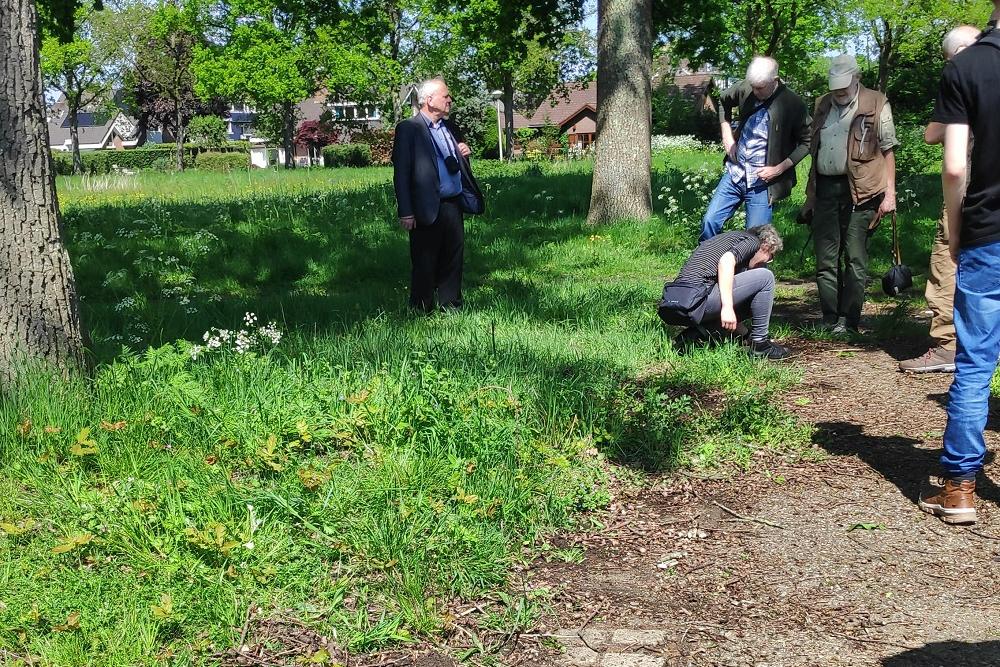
column 430, row 121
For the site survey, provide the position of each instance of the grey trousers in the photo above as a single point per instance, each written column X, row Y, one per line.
column 753, row 297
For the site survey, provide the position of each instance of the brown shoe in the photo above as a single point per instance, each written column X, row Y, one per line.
column 950, row 500
column 935, row 360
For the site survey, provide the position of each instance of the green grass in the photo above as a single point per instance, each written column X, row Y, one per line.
column 372, row 466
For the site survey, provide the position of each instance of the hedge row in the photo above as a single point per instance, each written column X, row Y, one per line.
column 223, row 162
column 347, row 155
column 160, row 156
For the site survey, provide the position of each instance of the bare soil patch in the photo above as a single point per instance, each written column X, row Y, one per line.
column 818, row 562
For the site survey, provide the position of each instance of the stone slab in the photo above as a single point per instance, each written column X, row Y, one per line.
column 596, row 638
column 632, row 660
column 580, row 656
column 638, row 637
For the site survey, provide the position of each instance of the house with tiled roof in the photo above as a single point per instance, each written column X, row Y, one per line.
column 95, row 129
column 573, row 111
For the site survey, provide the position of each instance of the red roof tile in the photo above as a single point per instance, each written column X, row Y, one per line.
column 557, row 109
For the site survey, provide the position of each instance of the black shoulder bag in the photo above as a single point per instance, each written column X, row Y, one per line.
column 681, row 299
column 899, row 278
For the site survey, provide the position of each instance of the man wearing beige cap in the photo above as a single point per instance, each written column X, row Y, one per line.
column 852, row 184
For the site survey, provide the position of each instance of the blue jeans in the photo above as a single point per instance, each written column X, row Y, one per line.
column 977, row 323
column 727, row 198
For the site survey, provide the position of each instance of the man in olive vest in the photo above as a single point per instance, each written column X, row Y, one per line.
column 852, row 184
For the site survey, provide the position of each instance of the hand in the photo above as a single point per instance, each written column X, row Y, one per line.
column 770, row 173
column 887, row 207
column 730, row 150
column 728, row 318
column 953, row 250
column 464, row 149
column 407, row 222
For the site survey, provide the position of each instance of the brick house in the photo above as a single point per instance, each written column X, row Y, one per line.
column 576, row 112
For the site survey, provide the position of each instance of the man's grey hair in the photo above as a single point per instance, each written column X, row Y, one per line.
column 762, row 70
column 769, row 237
column 959, row 38
column 427, row 88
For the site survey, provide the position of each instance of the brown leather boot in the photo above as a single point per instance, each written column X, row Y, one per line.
column 951, row 500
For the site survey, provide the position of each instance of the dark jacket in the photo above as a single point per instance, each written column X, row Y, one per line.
column 787, row 131
column 415, row 173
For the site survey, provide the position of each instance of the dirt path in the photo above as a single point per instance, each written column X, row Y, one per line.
column 845, row 571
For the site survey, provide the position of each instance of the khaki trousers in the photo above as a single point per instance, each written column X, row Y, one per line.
column 940, row 290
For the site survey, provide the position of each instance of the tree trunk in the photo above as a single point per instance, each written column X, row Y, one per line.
column 622, row 159
column 74, row 139
column 288, row 134
column 508, row 116
column 39, row 310
column 179, row 135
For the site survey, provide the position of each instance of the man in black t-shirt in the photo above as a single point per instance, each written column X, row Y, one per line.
column 967, row 103
column 729, row 272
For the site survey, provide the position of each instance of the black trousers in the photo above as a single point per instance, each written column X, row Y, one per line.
column 437, row 255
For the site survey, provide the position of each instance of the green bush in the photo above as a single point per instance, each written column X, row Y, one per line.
column 347, row 155
column 380, row 143
column 913, row 156
column 104, row 161
column 674, row 114
column 157, row 156
column 222, row 162
column 208, row 130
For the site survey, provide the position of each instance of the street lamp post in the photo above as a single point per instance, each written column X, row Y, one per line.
column 497, row 95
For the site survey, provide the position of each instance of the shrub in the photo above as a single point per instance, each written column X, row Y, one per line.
column 347, row 155
column 104, row 161
column 222, row 162
column 684, row 142
column 673, row 113
column 208, row 130
column 380, row 143
column 913, row 156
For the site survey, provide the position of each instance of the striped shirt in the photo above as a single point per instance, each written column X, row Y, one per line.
column 703, row 264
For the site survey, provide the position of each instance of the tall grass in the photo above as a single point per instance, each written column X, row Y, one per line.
column 365, row 468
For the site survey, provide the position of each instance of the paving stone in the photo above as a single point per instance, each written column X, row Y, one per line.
column 640, row 637
column 632, row 660
column 596, row 638
column 580, row 656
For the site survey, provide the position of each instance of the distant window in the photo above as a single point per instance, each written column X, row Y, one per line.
column 354, row 111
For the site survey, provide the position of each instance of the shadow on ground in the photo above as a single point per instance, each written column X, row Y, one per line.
column 898, row 459
column 950, row 654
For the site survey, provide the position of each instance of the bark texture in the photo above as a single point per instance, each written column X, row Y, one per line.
column 39, row 308
column 622, row 159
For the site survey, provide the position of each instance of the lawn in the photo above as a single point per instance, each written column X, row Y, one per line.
column 267, row 432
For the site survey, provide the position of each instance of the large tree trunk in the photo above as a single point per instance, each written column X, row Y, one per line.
column 288, row 134
column 39, row 309
column 622, row 160
column 178, row 133
column 74, row 137
column 508, row 116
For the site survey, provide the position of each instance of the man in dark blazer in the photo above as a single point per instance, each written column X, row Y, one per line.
column 434, row 187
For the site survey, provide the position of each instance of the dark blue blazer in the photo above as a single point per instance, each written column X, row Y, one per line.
column 415, row 174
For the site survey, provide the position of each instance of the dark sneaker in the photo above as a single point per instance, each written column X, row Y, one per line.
column 768, row 349
column 935, row 360
column 953, row 501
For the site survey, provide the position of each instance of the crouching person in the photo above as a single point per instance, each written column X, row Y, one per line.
column 723, row 282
